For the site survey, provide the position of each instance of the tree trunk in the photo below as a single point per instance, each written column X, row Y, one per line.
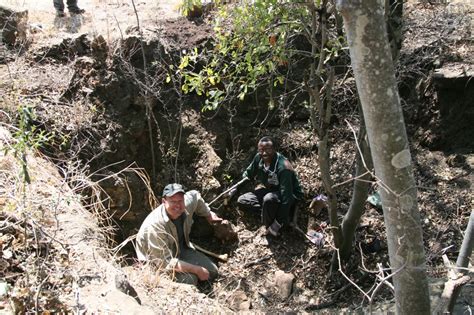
column 359, row 194
column 321, row 105
column 466, row 247
column 374, row 73
column 394, row 18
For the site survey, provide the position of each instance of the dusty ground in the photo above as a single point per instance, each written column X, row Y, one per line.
column 444, row 180
column 109, row 18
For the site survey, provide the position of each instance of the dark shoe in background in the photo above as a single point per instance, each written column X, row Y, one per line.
column 77, row 11
column 274, row 228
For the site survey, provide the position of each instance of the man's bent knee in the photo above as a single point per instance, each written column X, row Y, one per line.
column 242, row 200
column 271, row 198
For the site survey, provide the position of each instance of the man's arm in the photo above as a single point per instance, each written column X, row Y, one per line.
column 213, row 218
column 251, row 170
column 201, row 272
column 158, row 246
column 202, row 209
column 198, row 205
column 286, row 187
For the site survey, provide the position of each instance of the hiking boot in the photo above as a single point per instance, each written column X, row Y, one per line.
column 60, row 14
column 77, row 11
column 274, row 228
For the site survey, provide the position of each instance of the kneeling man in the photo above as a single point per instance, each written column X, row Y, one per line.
column 163, row 238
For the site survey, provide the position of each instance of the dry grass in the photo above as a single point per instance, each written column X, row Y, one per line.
column 50, row 211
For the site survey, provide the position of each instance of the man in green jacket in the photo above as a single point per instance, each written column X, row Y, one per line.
column 277, row 190
column 163, row 238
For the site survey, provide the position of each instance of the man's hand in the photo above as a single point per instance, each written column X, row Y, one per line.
column 202, row 273
column 214, row 218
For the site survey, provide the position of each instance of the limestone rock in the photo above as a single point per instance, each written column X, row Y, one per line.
column 284, row 283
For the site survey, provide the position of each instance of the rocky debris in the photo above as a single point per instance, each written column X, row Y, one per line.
column 100, row 49
column 200, row 147
column 65, row 49
column 239, row 301
column 127, row 197
column 133, row 47
column 179, row 34
column 117, row 302
column 284, row 283
column 14, row 26
column 225, row 232
column 123, row 285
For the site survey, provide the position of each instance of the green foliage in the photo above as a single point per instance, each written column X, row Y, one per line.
column 27, row 136
column 227, row 178
column 250, row 49
column 187, row 6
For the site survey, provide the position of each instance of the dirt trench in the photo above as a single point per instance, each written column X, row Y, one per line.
column 207, row 155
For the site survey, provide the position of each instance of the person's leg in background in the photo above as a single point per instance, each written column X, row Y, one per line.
column 59, row 6
column 270, row 211
column 73, row 8
column 252, row 201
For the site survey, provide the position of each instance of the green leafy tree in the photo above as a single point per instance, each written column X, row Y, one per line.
column 249, row 52
column 256, row 47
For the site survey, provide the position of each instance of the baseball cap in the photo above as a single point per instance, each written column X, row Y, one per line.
column 172, row 189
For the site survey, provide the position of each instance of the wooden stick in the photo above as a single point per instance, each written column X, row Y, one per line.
column 225, row 192
column 297, row 228
column 222, row 257
column 257, row 261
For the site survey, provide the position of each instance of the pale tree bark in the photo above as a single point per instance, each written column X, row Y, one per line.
column 360, row 192
column 320, row 109
column 466, row 247
column 375, row 78
column 459, row 276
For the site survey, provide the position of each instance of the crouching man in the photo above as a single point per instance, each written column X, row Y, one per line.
column 163, row 238
column 278, row 187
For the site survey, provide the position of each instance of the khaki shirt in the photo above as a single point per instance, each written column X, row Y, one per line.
column 157, row 239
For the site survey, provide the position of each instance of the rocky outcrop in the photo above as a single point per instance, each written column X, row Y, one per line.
column 13, row 26
column 454, row 86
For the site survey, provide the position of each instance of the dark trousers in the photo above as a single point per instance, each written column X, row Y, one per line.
column 266, row 201
column 71, row 5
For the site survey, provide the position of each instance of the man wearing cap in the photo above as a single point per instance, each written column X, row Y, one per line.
column 278, row 186
column 163, row 238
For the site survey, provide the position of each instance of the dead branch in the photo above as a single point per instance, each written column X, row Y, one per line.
column 257, row 261
column 451, row 291
column 452, row 288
